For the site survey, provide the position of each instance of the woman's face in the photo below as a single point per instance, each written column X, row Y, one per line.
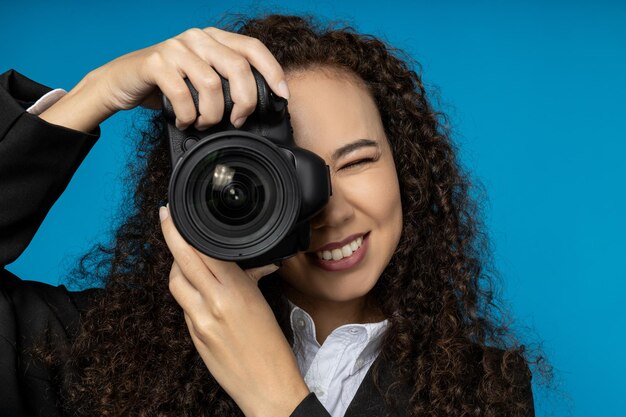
column 358, row 230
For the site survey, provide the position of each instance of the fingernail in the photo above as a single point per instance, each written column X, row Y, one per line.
column 283, row 90
column 239, row 122
column 163, row 213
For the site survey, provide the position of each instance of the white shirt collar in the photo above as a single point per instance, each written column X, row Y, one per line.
column 361, row 339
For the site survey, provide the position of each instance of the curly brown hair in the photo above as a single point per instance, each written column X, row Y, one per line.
column 448, row 338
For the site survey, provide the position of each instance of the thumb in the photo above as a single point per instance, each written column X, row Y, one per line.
column 259, row 272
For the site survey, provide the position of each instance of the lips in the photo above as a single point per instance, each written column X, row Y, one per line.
column 338, row 245
column 344, row 263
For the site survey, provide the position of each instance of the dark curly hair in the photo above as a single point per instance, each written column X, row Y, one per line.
column 449, row 340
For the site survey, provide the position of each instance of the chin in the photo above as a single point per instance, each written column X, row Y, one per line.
column 339, row 291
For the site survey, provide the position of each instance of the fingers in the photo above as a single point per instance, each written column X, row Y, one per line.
column 236, row 69
column 256, row 274
column 181, row 289
column 175, row 89
column 210, row 97
column 203, row 272
column 258, row 55
column 201, row 55
column 189, row 261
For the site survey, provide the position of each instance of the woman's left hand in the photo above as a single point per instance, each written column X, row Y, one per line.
column 234, row 329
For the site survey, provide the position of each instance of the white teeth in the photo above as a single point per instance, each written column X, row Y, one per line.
column 340, row 253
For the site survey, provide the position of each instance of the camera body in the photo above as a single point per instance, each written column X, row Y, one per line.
column 245, row 195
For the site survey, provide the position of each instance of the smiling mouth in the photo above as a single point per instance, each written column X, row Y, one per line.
column 342, row 258
column 340, row 253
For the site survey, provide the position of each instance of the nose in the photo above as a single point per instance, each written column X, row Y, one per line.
column 338, row 210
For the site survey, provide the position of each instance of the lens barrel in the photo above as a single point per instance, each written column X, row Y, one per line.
column 234, row 195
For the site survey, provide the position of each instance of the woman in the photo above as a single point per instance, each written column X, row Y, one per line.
column 389, row 312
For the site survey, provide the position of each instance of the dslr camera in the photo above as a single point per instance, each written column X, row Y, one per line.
column 245, row 195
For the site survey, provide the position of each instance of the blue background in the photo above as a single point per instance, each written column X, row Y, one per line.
column 536, row 93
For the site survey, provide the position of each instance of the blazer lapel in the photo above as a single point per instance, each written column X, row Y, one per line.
column 368, row 401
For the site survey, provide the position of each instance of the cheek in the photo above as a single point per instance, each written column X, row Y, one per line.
column 386, row 206
column 378, row 194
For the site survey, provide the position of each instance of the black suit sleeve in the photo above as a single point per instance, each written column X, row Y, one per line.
column 37, row 161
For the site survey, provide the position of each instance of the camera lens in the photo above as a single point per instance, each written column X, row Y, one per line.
column 229, row 192
column 235, row 196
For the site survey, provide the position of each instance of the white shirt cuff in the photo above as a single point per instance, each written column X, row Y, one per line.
column 46, row 101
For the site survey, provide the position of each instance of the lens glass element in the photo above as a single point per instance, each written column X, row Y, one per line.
column 232, row 192
column 235, row 196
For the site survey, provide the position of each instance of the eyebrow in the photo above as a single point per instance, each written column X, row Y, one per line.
column 346, row 149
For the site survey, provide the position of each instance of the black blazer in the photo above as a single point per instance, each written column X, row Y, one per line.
column 37, row 161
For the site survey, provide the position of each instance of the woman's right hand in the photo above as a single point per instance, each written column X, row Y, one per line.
column 200, row 55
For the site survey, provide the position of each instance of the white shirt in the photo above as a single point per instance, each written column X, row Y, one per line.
column 334, row 371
